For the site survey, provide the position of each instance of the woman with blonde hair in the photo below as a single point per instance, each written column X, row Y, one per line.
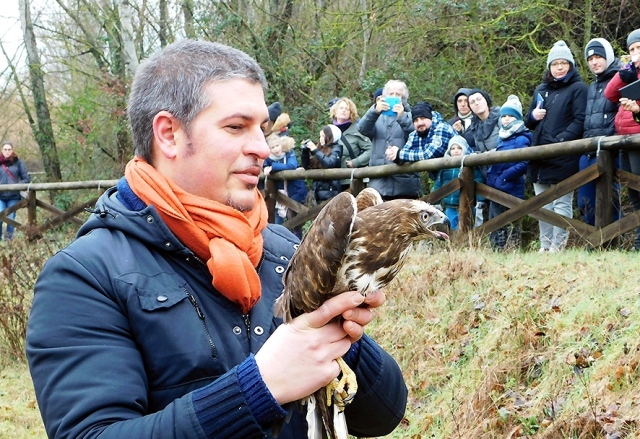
column 356, row 148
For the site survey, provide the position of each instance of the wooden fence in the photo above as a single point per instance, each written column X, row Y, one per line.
column 603, row 173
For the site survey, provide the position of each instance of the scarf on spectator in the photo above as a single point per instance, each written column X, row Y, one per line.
column 466, row 119
column 507, row 131
column 8, row 160
column 229, row 240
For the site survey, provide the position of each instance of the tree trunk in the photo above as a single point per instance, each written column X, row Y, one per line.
column 128, row 45
column 43, row 129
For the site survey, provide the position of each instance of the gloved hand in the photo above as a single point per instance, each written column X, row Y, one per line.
column 628, row 74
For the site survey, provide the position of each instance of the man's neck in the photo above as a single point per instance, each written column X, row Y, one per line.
column 484, row 115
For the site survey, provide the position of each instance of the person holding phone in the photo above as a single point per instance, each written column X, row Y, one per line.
column 389, row 122
column 627, row 119
column 559, row 118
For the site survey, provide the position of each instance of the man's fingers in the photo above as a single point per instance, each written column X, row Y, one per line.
column 333, row 308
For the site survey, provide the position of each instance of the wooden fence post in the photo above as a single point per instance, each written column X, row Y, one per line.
column 31, row 208
column 467, row 199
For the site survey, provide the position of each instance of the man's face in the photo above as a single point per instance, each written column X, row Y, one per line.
column 221, row 157
column 463, row 104
column 422, row 124
column 597, row 64
column 478, row 103
column 395, row 91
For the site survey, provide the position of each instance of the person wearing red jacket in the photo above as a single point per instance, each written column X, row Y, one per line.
column 628, row 117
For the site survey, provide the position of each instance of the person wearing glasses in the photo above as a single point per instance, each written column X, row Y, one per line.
column 12, row 171
column 556, row 114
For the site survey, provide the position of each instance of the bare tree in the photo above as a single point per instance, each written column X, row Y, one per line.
column 42, row 128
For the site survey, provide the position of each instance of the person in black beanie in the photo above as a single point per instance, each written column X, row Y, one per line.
column 429, row 139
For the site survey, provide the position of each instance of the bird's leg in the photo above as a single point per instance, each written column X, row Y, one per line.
column 342, row 390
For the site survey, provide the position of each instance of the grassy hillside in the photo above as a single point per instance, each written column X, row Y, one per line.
column 491, row 345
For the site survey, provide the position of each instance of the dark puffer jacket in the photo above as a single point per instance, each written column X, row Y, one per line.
column 601, row 112
column 565, row 101
column 128, row 339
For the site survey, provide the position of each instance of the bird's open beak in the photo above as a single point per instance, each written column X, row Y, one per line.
column 442, row 220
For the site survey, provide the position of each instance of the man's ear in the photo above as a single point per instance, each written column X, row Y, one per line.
column 165, row 135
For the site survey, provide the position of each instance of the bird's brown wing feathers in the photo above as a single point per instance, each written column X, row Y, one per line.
column 311, row 275
column 368, row 197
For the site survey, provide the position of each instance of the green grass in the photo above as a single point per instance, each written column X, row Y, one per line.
column 491, row 345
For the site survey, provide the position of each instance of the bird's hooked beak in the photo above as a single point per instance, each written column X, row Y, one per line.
column 437, row 217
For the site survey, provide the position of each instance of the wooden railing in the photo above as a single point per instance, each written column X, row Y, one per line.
column 603, row 173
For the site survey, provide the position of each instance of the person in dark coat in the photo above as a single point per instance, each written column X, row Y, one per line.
column 508, row 177
column 12, row 171
column 158, row 321
column 461, row 122
column 556, row 114
column 326, row 155
column 599, row 121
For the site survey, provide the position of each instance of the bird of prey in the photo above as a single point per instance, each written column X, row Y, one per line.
column 354, row 244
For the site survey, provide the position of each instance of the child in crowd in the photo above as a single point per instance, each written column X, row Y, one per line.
column 458, row 146
column 508, row 177
column 281, row 158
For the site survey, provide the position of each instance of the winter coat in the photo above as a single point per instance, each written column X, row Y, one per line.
column 296, row 189
column 600, row 112
column 485, row 132
column 128, row 339
column 13, row 172
column 447, row 175
column 625, row 123
column 466, row 132
column 361, row 147
column 385, row 131
column 325, row 157
column 565, row 101
column 509, row 177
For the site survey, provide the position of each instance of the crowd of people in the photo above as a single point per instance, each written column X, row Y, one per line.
column 563, row 108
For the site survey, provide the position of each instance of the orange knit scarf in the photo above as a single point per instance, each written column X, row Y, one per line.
column 229, row 240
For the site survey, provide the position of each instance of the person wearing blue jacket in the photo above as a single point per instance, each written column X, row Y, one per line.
column 158, row 321
column 508, row 177
column 283, row 158
column 457, row 147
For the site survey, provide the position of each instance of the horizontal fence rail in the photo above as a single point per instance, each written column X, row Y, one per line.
column 603, row 173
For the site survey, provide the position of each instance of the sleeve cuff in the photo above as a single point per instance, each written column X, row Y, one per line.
column 260, row 400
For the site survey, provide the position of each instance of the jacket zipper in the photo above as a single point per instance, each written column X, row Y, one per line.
column 194, row 303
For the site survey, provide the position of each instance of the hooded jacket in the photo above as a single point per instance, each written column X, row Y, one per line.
column 128, row 339
column 447, row 175
column 466, row 132
column 600, row 113
column 323, row 157
column 565, row 101
column 360, row 145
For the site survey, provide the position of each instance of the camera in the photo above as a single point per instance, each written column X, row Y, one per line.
column 305, row 143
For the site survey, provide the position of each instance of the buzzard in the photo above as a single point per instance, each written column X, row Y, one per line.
column 354, row 244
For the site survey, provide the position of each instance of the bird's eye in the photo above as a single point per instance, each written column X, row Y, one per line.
column 425, row 216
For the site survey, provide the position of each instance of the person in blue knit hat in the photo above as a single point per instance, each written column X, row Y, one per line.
column 508, row 177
